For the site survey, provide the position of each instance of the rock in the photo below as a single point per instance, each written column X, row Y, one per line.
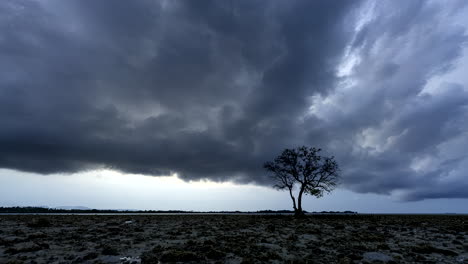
column 463, row 258
column 39, row 222
column 43, row 245
column 247, row 260
column 138, row 229
column 24, row 247
column 207, row 242
column 271, row 228
column 10, row 240
column 111, row 251
column 383, row 247
column 18, row 232
column 149, row 258
column 179, row 256
column 339, row 227
column 269, row 246
column 91, row 255
column 215, row 254
column 77, row 260
column 37, row 235
column 377, row 256
column 429, row 249
column 130, row 260
column 446, row 252
column 345, row 260
column 114, row 229
column 69, row 257
column 354, row 256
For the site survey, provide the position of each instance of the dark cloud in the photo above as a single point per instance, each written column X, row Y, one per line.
column 390, row 127
column 213, row 89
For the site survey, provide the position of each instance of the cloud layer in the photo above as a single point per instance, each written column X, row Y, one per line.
column 214, row 89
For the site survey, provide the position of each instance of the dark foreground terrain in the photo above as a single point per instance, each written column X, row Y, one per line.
column 233, row 239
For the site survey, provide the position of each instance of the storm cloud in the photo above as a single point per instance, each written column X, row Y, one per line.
column 212, row 89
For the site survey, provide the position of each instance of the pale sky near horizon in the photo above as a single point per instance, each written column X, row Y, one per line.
column 107, row 189
column 210, row 90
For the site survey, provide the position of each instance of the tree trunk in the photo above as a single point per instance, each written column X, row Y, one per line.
column 298, row 211
column 293, row 199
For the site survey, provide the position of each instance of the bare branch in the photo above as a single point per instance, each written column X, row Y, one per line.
column 315, row 174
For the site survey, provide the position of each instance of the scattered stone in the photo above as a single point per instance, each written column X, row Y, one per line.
column 10, row 240
column 429, row 249
column 130, row 260
column 78, row 260
column 18, row 232
column 345, row 260
column 248, row 260
column 15, row 261
column 271, row 228
column 376, row 256
column 233, row 239
column 463, row 258
column 383, row 247
column 269, row 246
column 69, row 257
column 179, row 256
column 39, row 222
column 91, row 255
column 25, row 247
column 37, row 235
column 215, row 254
column 108, row 250
column 339, row 227
column 354, row 256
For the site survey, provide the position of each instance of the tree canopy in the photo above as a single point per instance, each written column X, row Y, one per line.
column 305, row 168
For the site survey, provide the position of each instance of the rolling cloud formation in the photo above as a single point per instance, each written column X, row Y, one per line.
column 212, row 89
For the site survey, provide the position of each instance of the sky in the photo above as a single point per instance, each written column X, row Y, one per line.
column 151, row 104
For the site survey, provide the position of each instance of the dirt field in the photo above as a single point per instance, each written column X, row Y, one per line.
column 233, row 239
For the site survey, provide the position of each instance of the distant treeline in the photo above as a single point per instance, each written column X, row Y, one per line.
column 291, row 212
column 45, row 210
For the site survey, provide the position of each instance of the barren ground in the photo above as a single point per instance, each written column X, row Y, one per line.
column 233, row 239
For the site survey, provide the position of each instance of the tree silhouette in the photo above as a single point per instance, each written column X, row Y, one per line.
column 305, row 168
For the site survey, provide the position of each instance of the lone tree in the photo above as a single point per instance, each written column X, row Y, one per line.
column 305, row 168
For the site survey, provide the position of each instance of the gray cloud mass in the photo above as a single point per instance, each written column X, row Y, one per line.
column 212, row 89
